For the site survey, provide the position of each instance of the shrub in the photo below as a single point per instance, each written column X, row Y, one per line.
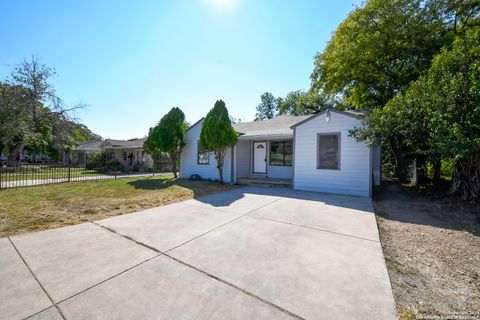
column 96, row 161
column 113, row 165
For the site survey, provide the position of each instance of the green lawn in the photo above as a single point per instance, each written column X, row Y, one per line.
column 44, row 207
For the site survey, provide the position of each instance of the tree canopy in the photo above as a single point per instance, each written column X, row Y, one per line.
column 379, row 49
column 33, row 117
column 168, row 136
column 414, row 65
column 267, row 108
column 14, row 121
column 438, row 116
column 295, row 103
column 218, row 134
column 299, row 102
column 374, row 56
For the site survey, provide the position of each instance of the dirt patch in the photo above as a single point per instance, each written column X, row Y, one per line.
column 432, row 252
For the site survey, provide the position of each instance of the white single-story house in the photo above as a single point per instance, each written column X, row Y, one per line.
column 129, row 153
column 80, row 154
column 313, row 153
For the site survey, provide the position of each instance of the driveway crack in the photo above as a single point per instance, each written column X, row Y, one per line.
column 222, row 225
column 225, row 282
column 314, row 228
column 277, row 307
column 109, row 278
column 127, row 237
column 54, row 304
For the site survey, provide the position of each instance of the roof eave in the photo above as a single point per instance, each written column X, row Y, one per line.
column 124, row 147
column 359, row 116
column 193, row 125
column 248, row 137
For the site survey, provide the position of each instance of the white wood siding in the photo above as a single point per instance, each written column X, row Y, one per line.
column 280, row 172
column 243, row 158
column 188, row 159
column 354, row 175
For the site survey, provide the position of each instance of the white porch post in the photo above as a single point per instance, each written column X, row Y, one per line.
column 233, row 177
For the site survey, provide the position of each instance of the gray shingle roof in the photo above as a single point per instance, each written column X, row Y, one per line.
column 89, row 146
column 278, row 126
column 132, row 143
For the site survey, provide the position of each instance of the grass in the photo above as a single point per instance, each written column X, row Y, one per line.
column 406, row 314
column 50, row 206
column 398, row 267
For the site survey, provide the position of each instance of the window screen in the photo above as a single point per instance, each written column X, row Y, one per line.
column 329, row 151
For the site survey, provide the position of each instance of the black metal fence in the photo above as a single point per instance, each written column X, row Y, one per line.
column 33, row 174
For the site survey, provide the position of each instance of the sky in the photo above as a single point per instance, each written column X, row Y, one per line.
column 132, row 61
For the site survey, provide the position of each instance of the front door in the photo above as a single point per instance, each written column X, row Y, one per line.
column 259, row 157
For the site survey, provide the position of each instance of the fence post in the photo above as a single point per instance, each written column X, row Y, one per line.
column 69, row 168
column 1, row 172
column 153, row 169
column 115, row 168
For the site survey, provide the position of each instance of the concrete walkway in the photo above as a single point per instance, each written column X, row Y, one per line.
column 249, row 253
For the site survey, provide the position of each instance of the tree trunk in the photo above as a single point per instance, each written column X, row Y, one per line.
column 466, row 178
column 402, row 173
column 437, row 170
column 414, row 180
column 173, row 160
column 418, row 176
column 219, row 157
column 402, row 163
column 10, row 159
column 14, row 154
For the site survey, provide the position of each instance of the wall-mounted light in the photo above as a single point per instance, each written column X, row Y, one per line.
column 328, row 115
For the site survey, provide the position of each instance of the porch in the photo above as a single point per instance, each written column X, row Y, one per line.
column 130, row 157
column 265, row 182
column 266, row 161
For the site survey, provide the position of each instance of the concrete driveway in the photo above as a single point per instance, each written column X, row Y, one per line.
column 249, row 253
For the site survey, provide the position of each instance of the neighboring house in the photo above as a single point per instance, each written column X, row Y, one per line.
column 129, row 153
column 314, row 153
column 81, row 153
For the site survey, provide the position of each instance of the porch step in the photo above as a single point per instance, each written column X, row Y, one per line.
column 265, row 182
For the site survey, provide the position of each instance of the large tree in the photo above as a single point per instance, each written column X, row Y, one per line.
column 267, row 108
column 44, row 119
column 218, row 134
column 438, row 117
column 81, row 133
column 299, row 102
column 377, row 51
column 15, row 120
column 295, row 103
column 168, row 137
